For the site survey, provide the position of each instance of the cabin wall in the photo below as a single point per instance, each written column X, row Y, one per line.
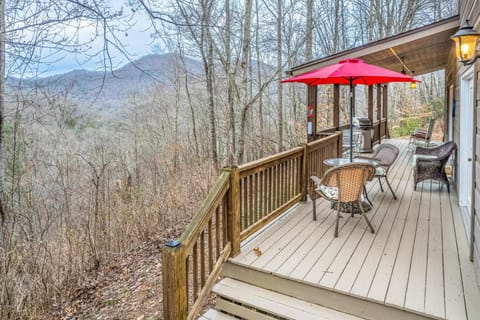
column 470, row 9
column 476, row 197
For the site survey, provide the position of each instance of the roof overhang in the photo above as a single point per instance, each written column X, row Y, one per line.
column 425, row 50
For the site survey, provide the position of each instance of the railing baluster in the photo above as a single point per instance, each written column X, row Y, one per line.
column 224, row 222
column 244, row 203
column 270, row 189
column 218, row 228
column 277, row 186
column 202, row 258
column 251, row 219
column 195, row 271
column 210, row 246
column 255, row 198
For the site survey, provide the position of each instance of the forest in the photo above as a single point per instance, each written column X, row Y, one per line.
column 81, row 184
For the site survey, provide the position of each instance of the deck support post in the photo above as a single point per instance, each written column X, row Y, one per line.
column 233, row 212
column 370, row 103
column 336, row 106
column 385, row 110
column 379, row 112
column 175, row 296
column 304, row 182
column 311, row 113
column 340, row 144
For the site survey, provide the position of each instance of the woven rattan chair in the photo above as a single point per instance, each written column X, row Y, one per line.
column 385, row 155
column 429, row 163
column 343, row 185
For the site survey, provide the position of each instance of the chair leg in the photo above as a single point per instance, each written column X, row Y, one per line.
column 366, row 219
column 380, row 182
column 314, row 210
column 365, row 194
column 389, row 186
column 338, row 218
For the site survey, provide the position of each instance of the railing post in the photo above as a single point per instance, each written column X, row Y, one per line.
column 174, row 276
column 339, row 144
column 233, row 213
column 304, row 177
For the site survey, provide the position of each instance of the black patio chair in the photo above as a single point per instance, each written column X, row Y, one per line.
column 429, row 163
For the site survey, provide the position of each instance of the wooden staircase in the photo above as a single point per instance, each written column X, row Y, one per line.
column 247, row 293
column 251, row 302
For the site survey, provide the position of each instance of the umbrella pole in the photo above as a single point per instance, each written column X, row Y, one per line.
column 351, row 118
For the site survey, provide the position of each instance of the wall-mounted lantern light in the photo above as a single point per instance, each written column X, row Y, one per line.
column 465, row 44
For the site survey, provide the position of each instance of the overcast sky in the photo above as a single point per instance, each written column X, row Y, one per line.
column 137, row 41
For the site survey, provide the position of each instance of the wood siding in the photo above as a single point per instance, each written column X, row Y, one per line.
column 470, row 9
column 476, row 197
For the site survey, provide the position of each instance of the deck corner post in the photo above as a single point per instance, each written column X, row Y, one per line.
column 339, row 144
column 174, row 277
column 233, row 215
column 304, row 176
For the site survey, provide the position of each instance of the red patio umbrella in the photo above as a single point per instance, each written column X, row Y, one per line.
column 350, row 72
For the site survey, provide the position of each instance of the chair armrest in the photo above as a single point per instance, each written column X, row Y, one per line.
column 316, row 180
column 425, row 158
column 415, row 131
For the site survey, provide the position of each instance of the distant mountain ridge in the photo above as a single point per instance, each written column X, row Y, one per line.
column 109, row 90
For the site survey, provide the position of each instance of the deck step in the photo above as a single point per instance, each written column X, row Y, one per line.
column 250, row 302
column 213, row 314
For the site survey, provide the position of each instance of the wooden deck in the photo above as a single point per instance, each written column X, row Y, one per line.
column 417, row 259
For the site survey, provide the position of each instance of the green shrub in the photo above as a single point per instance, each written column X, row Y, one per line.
column 406, row 126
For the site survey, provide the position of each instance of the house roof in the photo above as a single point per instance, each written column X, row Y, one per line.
column 425, row 50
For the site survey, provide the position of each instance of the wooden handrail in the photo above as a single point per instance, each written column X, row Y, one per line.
column 200, row 220
column 204, row 246
column 270, row 159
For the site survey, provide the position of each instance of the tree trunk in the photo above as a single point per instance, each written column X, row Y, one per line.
column 244, row 90
column 190, row 105
column 230, row 82
column 309, row 31
column 2, row 104
column 208, row 65
column 336, row 28
column 279, row 85
column 259, row 80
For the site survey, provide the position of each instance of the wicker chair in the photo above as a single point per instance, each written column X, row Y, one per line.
column 385, row 154
column 420, row 135
column 429, row 163
column 343, row 185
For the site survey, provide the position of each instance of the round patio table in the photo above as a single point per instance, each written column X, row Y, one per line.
column 333, row 162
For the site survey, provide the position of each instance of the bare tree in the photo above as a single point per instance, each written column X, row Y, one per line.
column 309, row 31
column 244, row 81
column 2, row 104
column 279, row 67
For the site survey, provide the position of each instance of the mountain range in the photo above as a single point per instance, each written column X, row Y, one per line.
column 111, row 89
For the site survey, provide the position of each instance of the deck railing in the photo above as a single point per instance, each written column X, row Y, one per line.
column 192, row 263
column 379, row 130
column 243, row 200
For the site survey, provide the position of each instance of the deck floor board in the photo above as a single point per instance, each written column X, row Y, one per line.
column 417, row 259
